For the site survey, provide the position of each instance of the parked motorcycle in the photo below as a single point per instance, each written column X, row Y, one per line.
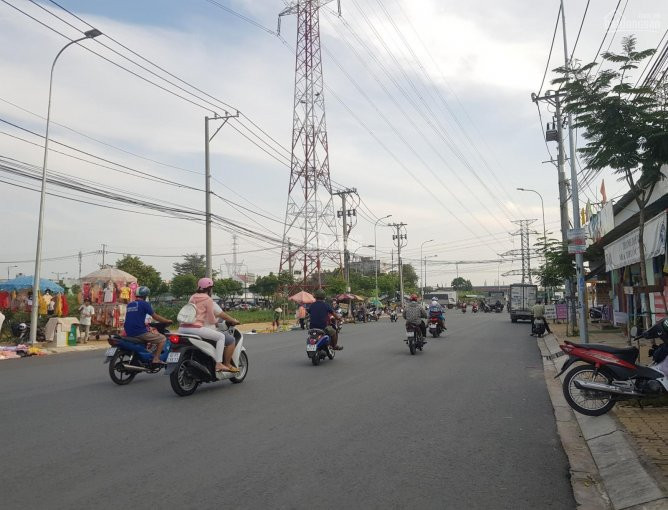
column 610, row 374
column 414, row 337
column 393, row 316
column 192, row 361
column 434, row 326
column 318, row 346
column 474, row 308
column 129, row 356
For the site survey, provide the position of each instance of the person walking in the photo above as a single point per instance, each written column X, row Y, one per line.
column 301, row 316
column 86, row 313
column 276, row 323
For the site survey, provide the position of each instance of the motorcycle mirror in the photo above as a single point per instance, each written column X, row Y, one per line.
column 634, row 331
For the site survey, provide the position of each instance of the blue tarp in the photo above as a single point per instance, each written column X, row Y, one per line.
column 25, row 282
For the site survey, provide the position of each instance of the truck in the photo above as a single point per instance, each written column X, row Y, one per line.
column 522, row 298
column 447, row 298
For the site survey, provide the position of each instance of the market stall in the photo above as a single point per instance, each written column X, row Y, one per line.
column 16, row 295
column 109, row 290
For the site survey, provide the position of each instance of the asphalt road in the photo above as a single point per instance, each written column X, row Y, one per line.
column 465, row 424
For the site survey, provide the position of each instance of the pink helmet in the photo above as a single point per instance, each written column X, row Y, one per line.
column 205, row 283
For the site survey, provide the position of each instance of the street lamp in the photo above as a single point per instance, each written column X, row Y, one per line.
column 90, row 34
column 375, row 243
column 422, row 280
column 8, row 268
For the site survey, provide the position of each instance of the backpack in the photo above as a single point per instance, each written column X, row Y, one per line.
column 187, row 314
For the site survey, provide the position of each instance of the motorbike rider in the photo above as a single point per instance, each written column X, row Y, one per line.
column 538, row 313
column 205, row 317
column 320, row 312
column 414, row 313
column 436, row 310
column 135, row 323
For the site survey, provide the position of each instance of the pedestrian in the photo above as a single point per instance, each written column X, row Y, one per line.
column 275, row 324
column 86, row 312
column 301, row 316
column 51, row 307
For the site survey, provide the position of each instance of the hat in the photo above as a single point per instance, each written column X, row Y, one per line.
column 279, row 310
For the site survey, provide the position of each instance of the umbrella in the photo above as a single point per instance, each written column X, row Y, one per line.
column 25, row 282
column 375, row 301
column 346, row 297
column 302, row 297
column 109, row 273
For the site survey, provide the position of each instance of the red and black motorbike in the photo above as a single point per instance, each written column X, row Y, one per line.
column 610, row 374
column 435, row 326
column 474, row 308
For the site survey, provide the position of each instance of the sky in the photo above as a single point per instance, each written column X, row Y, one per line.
column 428, row 114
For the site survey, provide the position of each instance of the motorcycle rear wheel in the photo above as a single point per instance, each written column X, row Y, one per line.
column 182, row 383
column 316, row 358
column 118, row 375
column 412, row 344
column 588, row 402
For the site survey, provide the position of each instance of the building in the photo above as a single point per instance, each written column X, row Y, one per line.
column 614, row 279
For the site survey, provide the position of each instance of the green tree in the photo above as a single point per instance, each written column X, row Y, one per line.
column 265, row 286
column 146, row 275
column 75, row 289
column 183, row 285
column 625, row 126
column 333, row 282
column 410, row 278
column 461, row 284
column 558, row 265
column 227, row 287
column 193, row 263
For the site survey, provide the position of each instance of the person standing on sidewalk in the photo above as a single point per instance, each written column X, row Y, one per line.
column 276, row 323
column 85, row 319
column 538, row 311
column 301, row 316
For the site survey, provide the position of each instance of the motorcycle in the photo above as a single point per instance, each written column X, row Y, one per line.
column 538, row 328
column 128, row 356
column 318, row 346
column 414, row 337
column 610, row 374
column 393, row 316
column 463, row 308
column 192, row 361
column 361, row 316
column 498, row 308
column 434, row 326
column 474, row 308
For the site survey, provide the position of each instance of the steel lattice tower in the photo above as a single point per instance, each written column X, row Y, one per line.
column 310, row 234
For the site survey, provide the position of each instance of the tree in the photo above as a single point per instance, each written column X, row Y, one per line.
column 460, row 283
column 626, row 127
column 227, row 287
column 265, row 286
column 146, row 275
column 410, row 277
column 558, row 266
column 75, row 289
column 194, row 264
column 183, row 284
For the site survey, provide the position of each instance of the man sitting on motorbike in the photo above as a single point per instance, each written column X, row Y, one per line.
column 436, row 310
column 135, row 323
column 320, row 313
column 414, row 313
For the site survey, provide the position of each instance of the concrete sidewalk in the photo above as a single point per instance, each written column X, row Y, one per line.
column 617, row 460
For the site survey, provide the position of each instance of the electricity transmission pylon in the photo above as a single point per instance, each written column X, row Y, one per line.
column 310, row 234
column 524, row 252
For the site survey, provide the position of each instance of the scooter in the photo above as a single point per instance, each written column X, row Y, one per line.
column 474, row 308
column 414, row 337
column 393, row 316
column 128, row 356
column 192, row 361
column 318, row 346
column 434, row 326
column 610, row 374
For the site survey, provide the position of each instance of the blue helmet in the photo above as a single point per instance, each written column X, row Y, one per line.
column 143, row 291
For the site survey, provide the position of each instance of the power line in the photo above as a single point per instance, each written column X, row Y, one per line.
column 549, row 56
column 577, row 39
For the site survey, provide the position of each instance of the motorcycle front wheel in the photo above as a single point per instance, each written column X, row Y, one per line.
column 116, row 372
column 589, row 402
column 182, row 382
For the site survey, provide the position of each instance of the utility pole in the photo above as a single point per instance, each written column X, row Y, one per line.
column 58, row 278
column 207, row 181
column 347, row 215
column 400, row 239
column 80, row 257
column 575, row 199
column 104, row 250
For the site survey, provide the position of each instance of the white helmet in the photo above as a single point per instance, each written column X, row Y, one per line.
column 434, row 300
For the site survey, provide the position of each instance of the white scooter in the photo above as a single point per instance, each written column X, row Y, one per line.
column 192, row 360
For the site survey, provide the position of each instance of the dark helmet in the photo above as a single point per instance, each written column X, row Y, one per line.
column 319, row 294
column 414, row 297
column 143, row 291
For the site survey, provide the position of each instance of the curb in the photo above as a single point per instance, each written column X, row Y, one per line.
column 606, row 470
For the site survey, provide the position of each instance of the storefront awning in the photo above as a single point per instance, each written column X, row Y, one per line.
column 625, row 250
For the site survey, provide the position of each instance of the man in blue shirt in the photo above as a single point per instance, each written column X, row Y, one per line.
column 319, row 313
column 135, row 323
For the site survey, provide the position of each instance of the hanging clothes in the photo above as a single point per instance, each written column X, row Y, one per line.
column 43, row 304
column 59, row 305
column 4, row 300
column 65, row 307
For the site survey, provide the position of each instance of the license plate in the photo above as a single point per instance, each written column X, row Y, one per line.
column 110, row 352
column 173, row 357
column 311, row 347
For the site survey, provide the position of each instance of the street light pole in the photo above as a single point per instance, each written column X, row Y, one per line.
column 90, row 34
column 375, row 243
column 421, row 279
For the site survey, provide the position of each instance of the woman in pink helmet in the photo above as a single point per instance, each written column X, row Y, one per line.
column 203, row 326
